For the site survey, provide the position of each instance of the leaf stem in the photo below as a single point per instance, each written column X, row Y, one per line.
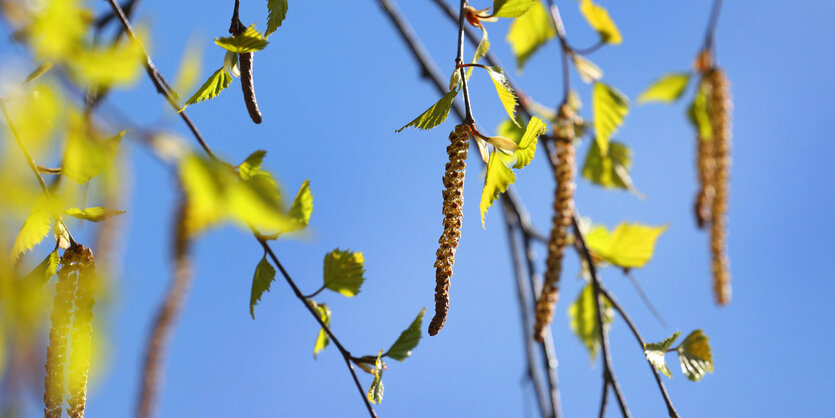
column 312, row 295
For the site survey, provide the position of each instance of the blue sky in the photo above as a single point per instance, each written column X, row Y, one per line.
column 334, row 84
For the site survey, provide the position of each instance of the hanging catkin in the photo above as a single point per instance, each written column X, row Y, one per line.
column 563, row 212
column 719, row 111
column 248, row 85
column 706, row 165
column 58, row 335
column 453, row 213
column 82, row 329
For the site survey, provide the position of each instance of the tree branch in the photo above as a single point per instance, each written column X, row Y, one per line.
column 459, row 60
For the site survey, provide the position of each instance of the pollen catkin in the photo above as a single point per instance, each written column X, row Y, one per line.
column 563, row 212
column 61, row 318
column 248, row 86
column 453, row 213
column 719, row 111
column 82, row 330
column 706, row 164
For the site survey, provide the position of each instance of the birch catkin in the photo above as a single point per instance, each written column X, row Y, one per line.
column 706, row 164
column 453, row 213
column 248, row 85
column 82, row 330
column 563, row 212
column 719, row 111
column 56, row 351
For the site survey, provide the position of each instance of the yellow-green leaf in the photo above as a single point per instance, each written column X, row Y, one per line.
column 375, row 391
column 57, row 29
column 264, row 276
column 480, row 52
column 666, row 89
column 43, row 271
column 94, row 214
column 655, row 353
column 589, row 71
column 121, row 64
column 408, row 340
column 583, row 319
column 86, row 154
column 322, row 339
column 302, row 206
column 277, row 12
column 527, row 143
column 599, row 19
column 498, row 178
column 529, row 32
column 191, row 66
column 511, row 8
column 204, row 187
column 216, row 83
column 610, row 170
column 251, row 166
column 695, row 356
column 249, row 41
column 344, row 272
column 503, row 89
column 697, row 113
column 435, row 115
column 34, row 230
column 629, row 246
column 610, row 107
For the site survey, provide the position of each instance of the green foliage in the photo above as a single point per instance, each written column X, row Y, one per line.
column 697, row 113
column 695, row 356
column 277, row 12
column 34, row 230
column 86, row 155
column 264, row 276
column 344, row 272
column 583, row 319
column 666, row 89
column 498, row 178
column 529, row 32
column 526, row 145
column 511, row 8
column 610, row 107
column 408, row 340
column 43, row 271
column 322, row 340
column 655, row 354
column 599, row 19
column 94, row 214
column 435, row 115
column 610, row 170
column 217, row 82
column 503, row 89
column 249, row 41
column 589, row 71
column 629, row 246
column 302, row 206
column 375, row 391
column 480, row 52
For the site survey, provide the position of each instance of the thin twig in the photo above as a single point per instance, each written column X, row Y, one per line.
column 710, row 32
column 29, row 159
column 645, row 298
column 604, row 399
column 459, row 60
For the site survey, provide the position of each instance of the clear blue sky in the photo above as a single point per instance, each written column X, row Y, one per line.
column 334, row 84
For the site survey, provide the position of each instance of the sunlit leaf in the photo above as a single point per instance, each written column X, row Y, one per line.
column 599, row 19
column 322, row 339
column 583, row 319
column 480, row 52
column 57, row 29
column 666, row 89
column 610, row 107
column 408, row 340
column 302, row 206
column 121, row 64
column 249, row 41
column 655, row 354
column 589, row 71
column 277, row 12
column 34, row 230
column 87, row 154
column 503, row 89
column 38, row 72
column 35, row 115
column 697, row 113
column 344, row 272
column 610, row 170
column 511, row 8
column 629, row 246
column 527, row 143
column 695, row 356
column 211, row 88
column 191, row 65
column 264, row 276
column 94, row 214
column 435, row 115
column 251, row 166
column 43, row 271
column 498, row 178
column 375, row 391
column 529, row 32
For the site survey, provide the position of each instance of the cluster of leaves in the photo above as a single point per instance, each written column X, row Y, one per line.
column 694, row 355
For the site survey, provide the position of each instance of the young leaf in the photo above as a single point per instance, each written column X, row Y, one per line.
column 94, row 214
column 666, row 89
column 191, row 66
column 408, row 340
column 302, row 206
column 527, row 144
column 499, row 177
column 655, row 354
column 34, row 230
column 480, row 52
column 695, row 356
column 583, row 319
column 599, row 19
column 277, row 12
column 344, row 272
column 87, row 155
column 435, row 115
column 43, row 271
column 105, row 67
column 609, row 107
column 218, row 81
column 529, row 32
column 511, row 8
column 589, row 71
column 629, row 246
column 322, row 339
column 503, row 89
column 252, row 164
column 610, row 170
column 697, row 113
column 264, row 276
column 375, row 391
column 249, row 41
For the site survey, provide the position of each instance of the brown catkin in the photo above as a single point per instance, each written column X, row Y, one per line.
column 248, row 86
column 58, row 335
column 563, row 212
column 453, row 214
column 706, row 165
column 719, row 111
column 82, row 331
